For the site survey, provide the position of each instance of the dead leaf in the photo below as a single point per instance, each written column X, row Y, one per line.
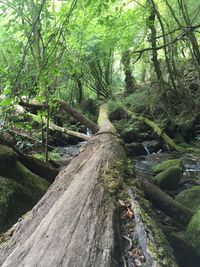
column 129, row 213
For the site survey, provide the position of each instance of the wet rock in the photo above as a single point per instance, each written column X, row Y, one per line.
column 169, row 178
column 167, row 164
column 190, row 198
column 135, row 149
column 152, row 145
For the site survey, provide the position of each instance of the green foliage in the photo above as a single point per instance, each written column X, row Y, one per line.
column 52, row 155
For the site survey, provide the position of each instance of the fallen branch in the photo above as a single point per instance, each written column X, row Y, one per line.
column 64, row 106
column 78, row 116
column 52, row 126
column 157, row 130
column 165, row 203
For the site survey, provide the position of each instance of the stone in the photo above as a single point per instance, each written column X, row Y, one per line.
column 192, row 233
column 152, row 145
column 167, row 164
column 118, row 114
column 190, row 198
column 135, row 149
column 169, row 178
column 20, row 189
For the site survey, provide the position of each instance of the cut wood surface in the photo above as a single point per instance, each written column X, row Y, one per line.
column 72, row 225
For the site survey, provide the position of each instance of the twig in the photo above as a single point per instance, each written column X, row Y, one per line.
column 130, row 241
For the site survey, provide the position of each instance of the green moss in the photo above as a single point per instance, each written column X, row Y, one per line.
column 53, row 155
column 169, row 178
column 167, row 164
column 15, row 200
column 111, row 179
column 20, row 189
column 7, row 154
column 156, row 240
column 190, row 198
column 192, row 233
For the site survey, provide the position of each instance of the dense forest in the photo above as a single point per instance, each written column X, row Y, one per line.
column 99, row 133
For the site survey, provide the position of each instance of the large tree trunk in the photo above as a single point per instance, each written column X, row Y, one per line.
column 72, row 225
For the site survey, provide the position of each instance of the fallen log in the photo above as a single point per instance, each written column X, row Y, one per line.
column 52, row 126
column 157, row 130
column 72, row 225
column 77, row 115
column 165, row 203
column 36, row 166
column 64, row 106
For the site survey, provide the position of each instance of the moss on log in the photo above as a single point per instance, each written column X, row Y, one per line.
column 157, row 130
column 151, row 239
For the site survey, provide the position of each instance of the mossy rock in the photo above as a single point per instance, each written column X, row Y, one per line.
column 20, row 189
column 169, row 178
column 190, row 198
column 167, row 164
column 192, row 233
column 16, row 199
column 7, row 154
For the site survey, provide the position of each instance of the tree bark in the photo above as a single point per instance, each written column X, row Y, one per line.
column 150, row 238
column 129, row 79
column 72, row 225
